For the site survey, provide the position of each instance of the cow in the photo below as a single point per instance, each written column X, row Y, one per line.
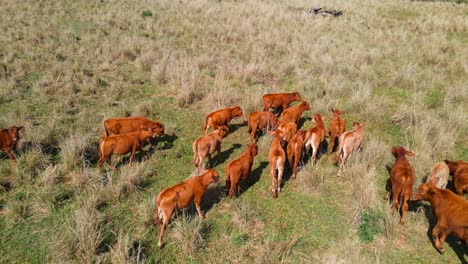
column 401, row 180
column 9, row 138
column 441, row 171
column 221, row 117
column 117, row 126
column 450, row 210
column 287, row 130
column 459, row 170
column 123, row 144
column 294, row 113
column 295, row 150
column 239, row 169
column 349, row 142
column 316, row 135
column 279, row 100
column 337, row 127
column 261, row 120
column 206, row 145
column 178, row 196
column 277, row 159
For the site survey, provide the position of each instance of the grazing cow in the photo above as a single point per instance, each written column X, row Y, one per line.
column 221, row 117
column 287, row 130
column 401, row 179
column 294, row 113
column 440, row 170
column 9, row 140
column 261, row 120
column 277, row 159
column 337, row 127
column 296, row 151
column 176, row 197
column 349, row 142
column 239, row 169
column 279, row 100
column 206, row 145
column 117, row 126
column 316, row 135
column 459, row 171
column 123, row 144
column 450, row 210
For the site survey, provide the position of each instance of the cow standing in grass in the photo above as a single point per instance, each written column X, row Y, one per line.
column 9, row 140
column 240, row 169
column 337, row 128
column 279, row 100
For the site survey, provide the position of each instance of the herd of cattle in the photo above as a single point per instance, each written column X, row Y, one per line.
column 131, row 134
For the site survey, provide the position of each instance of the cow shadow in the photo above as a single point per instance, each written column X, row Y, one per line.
column 224, row 155
column 301, row 122
column 323, row 148
column 234, row 127
column 459, row 249
column 212, row 196
column 165, row 142
column 253, row 178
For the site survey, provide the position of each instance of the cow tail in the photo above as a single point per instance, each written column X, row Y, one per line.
column 195, row 152
column 336, row 158
column 228, row 179
column 158, row 213
column 206, row 122
column 249, row 125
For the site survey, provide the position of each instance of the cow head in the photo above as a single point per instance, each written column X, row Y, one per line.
column 253, row 149
column 14, row 132
column 236, row 111
column 400, row 151
column 337, row 112
column 306, row 106
column 318, row 118
column 223, row 131
column 157, row 128
column 357, row 125
column 297, row 96
column 426, row 190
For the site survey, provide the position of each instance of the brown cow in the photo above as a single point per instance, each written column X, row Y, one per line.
column 287, row 130
column 450, row 210
column 123, row 144
column 294, row 113
column 337, row 127
column 9, row 140
column 239, row 169
column 277, row 159
column 316, row 135
column 459, row 171
column 350, row 141
column 296, row 151
column 401, row 179
column 441, row 171
column 279, row 100
column 221, row 117
column 261, row 120
column 179, row 196
column 123, row 125
column 206, row 145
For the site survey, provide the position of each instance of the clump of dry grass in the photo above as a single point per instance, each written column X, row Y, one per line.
column 188, row 233
column 272, row 251
column 73, row 150
column 123, row 252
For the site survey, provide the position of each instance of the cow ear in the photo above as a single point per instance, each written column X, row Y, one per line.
column 409, row 153
column 324, row 118
column 434, row 180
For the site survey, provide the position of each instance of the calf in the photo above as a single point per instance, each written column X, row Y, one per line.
column 206, row 145
column 459, row 171
column 316, row 135
column 9, row 140
column 349, row 142
column 277, row 158
column 337, row 127
column 221, row 117
column 450, row 210
column 179, row 196
column 440, row 170
column 287, row 130
column 261, row 120
column 123, row 125
column 123, row 144
column 294, row 113
column 295, row 150
column 401, row 180
column 239, row 169
column 279, row 100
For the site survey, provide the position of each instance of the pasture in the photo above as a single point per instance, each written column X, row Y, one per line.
column 66, row 66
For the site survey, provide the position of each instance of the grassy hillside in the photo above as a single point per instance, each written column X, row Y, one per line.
column 65, row 66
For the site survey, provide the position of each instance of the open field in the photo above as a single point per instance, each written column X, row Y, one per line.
column 65, row 66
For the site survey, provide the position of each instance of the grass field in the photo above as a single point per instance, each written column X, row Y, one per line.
column 65, row 66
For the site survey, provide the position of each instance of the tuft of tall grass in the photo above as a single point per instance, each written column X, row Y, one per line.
column 73, row 150
column 188, row 233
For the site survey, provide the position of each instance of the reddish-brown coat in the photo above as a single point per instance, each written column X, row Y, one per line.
column 206, row 145
column 349, row 142
column 9, row 140
column 316, row 135
column 278, row 100
column 240, row 169
column 117, row 126
column 296, row 150
column 450, row 210
column 287, row 130
column 459, row 171
column 401, row 179
column 294, row 113
column 277, row 159
column 337, row 128
column 180, row 195
column 261, row 120
column 221, row 117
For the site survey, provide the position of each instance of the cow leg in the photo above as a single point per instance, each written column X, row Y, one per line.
column 343, row 159
column 232, row 190
column 394, row 202
column 404, row 210
column 166, row 218
column 253, row 133
column 273, row 181
column 280, row 177
column 314, row 153
column 10, row 155
column 332, row 143
column 197, row 201
column 435, row 235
